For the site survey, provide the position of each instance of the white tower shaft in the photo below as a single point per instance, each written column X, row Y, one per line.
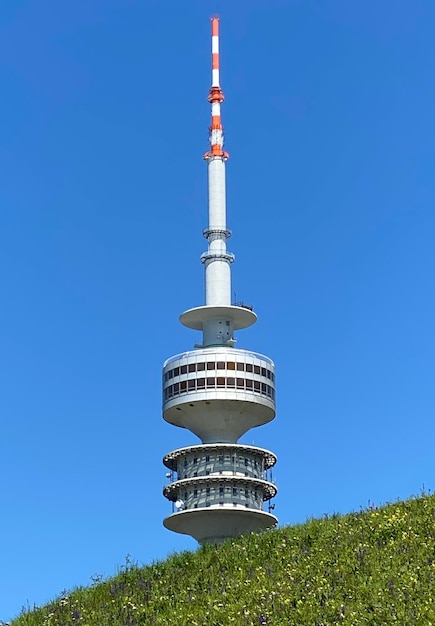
column 217, row 261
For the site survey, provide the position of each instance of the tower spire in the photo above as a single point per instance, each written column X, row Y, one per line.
column 216, row 391
column 217, row 259
column 215, row 97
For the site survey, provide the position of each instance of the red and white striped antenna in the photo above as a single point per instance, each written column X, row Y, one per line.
column 215, row 97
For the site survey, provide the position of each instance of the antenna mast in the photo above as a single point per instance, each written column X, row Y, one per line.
column 217, row 259
column 215, row 97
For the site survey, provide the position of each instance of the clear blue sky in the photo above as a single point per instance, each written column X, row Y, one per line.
column 329, row 119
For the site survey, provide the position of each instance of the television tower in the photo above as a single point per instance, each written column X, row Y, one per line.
column 217, row 391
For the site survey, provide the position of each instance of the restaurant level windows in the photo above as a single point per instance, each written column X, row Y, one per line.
column 263, row 372
column 221, row 382
column 200, row 367
column 192, row 367
column 210, row 365
column 220, row 365
column 257, row 369
column 231, row 365
column 176, row 371
column 189, row 385
column 170, row 373
column 249, row 367
column 183, row 369
column 207, row 458
column 240, row 367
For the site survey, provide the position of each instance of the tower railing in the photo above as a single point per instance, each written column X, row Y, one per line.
column 217, row 349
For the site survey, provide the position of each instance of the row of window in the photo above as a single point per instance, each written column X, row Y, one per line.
column 219, row 365
column 207, row 504
column 221, row 459
column 219, row 382
column 206, row 473
column 224, row 492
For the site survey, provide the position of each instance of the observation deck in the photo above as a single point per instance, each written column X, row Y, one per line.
column 239, row 317
column 219, row 393
column 231, row 480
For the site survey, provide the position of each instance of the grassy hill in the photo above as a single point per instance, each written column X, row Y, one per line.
column 371, row 568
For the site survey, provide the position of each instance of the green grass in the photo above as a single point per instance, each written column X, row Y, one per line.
column 371, row 568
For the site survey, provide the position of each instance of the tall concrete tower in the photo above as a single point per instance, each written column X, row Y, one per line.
column 217, row 391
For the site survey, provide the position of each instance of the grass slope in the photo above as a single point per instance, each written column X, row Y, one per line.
column 374, row 567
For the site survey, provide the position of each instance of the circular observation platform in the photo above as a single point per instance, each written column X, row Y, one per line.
column 219, row 393
column 221, row 490
column 220, row 458
column 217, row 524
column 240, row 317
